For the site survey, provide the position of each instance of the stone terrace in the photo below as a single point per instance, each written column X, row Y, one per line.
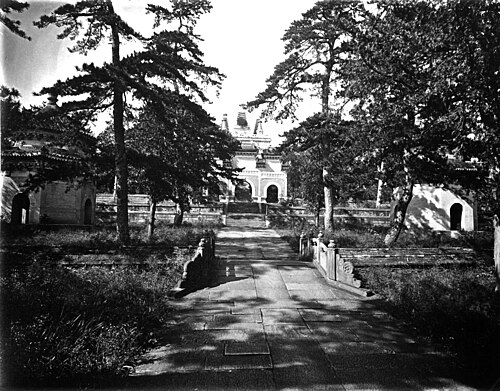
column 273, row 323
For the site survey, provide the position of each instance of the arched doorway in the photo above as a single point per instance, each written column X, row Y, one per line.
column 456, row 217
column 20, row 209
column 272, row 194
column 87, row 213
column 243, row 192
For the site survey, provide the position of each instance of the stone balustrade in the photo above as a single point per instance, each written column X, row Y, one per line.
column 338, row 264
column 328, row 261
column 373, row 216
column 139, row 205
column 198, row 271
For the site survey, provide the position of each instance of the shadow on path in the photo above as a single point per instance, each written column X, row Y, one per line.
column 271, row 322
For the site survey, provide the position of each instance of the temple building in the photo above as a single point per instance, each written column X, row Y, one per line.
column 262, row 179
column 56, row 202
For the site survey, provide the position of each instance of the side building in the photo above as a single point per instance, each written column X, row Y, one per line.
column 57, row 201
column 262, row 178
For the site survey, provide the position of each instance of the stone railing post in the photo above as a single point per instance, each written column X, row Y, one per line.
column 331, row 258
column 203, row 252
column 212, row 243
column 302, row 245
column 319, row 249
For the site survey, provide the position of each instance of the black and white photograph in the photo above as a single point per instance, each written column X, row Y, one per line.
column 250, row 195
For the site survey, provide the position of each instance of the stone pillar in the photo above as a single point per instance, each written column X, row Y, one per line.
column 331, row 267
column 302, row 244
column 318, row 245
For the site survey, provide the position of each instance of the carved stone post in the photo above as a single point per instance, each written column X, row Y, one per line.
column 203, row 259
column 318, row 247
column 331, row 267
column 302, row 244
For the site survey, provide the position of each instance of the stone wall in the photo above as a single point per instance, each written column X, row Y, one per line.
column 165, row 211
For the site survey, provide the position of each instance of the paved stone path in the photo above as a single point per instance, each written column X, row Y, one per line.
column 272, row 322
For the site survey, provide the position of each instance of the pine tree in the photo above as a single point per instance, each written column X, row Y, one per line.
column 7, row 6
column 314, row 47
column 177, row 153
column 169, row 59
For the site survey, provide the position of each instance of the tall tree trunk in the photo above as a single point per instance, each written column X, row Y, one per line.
column 152, row 217
column 401, row 205
column 380, row 184
column 496, row 250
column 325, row 109
column 328, row 219
column 179, row 215
column 121, row 169
column 317, row 214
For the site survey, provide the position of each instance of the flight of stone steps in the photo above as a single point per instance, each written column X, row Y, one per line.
column 246, row 220
column 246, row 214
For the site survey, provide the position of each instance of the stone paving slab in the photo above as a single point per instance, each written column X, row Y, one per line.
column 320, row 315
column 284, row 331
column 255, row 317
column 234, row 294
column 219, row 362
column 311, row 294
column 254, row 379
column 276, row 293
column 281, row 315
column 234, row 326
column 246, row 348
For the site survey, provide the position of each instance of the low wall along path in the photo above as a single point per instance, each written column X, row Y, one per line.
column 272, row 322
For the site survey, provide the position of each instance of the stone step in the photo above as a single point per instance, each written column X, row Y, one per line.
column 251, row 223
column 246, row 216
column 245, row 207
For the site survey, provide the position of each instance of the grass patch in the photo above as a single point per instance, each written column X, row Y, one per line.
column 79, row 326
column 357, row 235
column 454, row 307
column 104, row 238
column 64, row 326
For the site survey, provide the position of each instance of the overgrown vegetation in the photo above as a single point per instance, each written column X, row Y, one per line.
column 104, row 237
column 455, row 307
column 79, row 326
column 358, row 235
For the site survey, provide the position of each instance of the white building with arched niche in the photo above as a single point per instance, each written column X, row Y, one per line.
column 440, row 209
column 262, row 179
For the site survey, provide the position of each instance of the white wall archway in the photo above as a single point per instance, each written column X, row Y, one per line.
column 267, row 188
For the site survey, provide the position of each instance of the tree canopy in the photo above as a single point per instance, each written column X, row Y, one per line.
column 66, row 146
column 169, row 60
column 6, row 8
column 314, row 47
